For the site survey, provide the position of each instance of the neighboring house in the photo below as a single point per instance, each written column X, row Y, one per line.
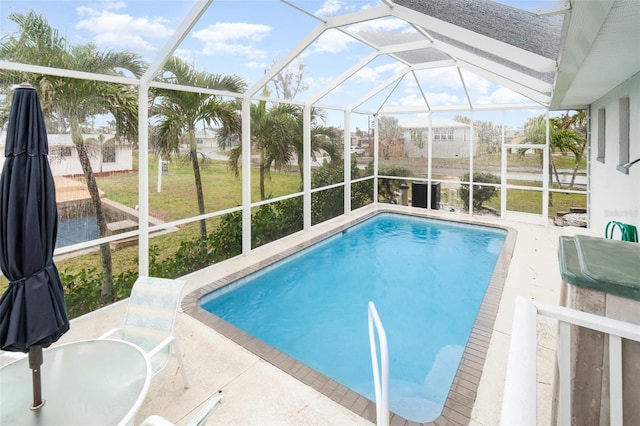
column 207, row 138
column 105, row 154
column 450, row 138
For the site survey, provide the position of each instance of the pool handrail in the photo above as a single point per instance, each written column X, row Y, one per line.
column 380, row 372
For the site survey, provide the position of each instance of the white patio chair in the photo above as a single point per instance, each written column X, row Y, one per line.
column 199, row 419
column 149, row 321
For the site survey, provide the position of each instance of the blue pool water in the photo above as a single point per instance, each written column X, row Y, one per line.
column 426, row 277
column 76, row 230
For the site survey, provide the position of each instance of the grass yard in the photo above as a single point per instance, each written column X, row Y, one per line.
column 530, row 201
column 177, row 199
column 223, row 190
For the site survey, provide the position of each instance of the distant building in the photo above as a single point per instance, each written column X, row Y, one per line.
column 207, row 138
column 450, row 138
column 105, row 154
column 513, row 135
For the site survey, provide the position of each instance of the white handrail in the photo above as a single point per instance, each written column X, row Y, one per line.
column 380, row 373
column 519, row 402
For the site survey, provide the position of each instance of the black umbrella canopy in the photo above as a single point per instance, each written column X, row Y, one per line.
column 33, row 312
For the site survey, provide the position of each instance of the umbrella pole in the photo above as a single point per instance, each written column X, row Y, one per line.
column 35, row 361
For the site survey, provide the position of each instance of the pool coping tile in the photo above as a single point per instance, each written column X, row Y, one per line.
column 462, row 394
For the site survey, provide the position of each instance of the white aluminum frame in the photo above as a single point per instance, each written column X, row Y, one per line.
column 528, row 86
column 519, row 402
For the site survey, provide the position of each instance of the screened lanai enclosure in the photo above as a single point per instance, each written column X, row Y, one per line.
column 214, row 129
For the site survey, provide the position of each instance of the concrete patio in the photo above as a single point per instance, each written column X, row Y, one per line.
column 257, row 393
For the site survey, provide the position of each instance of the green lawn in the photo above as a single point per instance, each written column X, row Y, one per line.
column 222, row 190
column 528, row 201
column 177, row 200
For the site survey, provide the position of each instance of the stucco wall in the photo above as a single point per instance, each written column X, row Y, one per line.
column 615, row 195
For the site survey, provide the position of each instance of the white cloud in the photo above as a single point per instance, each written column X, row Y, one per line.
column 233, row 38
column 330, row 8
column 412, row 99
column 476, row 84
column 439, row 98
column 331, row 41
column 440, row 78
column 112, row 29
column 383, row 24
column 503, row 95
column 377, row 73
column 258, row 65
column 335, row 7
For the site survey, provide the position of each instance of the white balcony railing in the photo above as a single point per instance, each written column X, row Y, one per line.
column 520, row 399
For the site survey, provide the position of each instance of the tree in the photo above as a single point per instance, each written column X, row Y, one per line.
column 273, row 130
column 566, row 134
column 287, row 84
column 486, row 133
column 289, row 81
column 327, row 139
column 72, row 103
column 179, row 111
column 575, row 126
column 387, row 187
column 481, row 193
column 389, row 130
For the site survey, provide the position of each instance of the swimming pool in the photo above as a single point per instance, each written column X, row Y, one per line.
column 416, row 279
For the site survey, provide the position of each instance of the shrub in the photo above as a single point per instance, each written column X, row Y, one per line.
column 386, row 187
column 481, row 193
column 82, row 289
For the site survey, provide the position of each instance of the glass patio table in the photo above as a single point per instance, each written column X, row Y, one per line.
column 90, row 382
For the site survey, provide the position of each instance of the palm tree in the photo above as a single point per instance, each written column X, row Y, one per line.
column 272, row 132
column 322, row 138
column 179, row 112
column 563, row 137
column 574, row 128
column 72, row 102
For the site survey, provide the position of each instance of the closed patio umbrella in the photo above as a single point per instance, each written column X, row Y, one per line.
column 33, row 312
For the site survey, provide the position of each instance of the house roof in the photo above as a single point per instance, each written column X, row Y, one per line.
column 601, row 50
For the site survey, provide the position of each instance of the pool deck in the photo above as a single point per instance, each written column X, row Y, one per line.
column 257, row 393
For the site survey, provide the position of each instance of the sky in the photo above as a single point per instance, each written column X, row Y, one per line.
column 244, row 37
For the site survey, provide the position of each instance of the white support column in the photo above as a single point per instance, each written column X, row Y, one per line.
column 545, row 170
column 503, row 171
column 429, row 158
column 306, row 167
column 615, row 380
column 159, row 188
column 563, row 355
column 376, row 158
column 471, row 187
column 143, row 180
column 246, row 175
column 347, row 162
column 196, row 11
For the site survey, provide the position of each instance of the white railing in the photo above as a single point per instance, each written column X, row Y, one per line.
column 519, row 403
column 380, row 372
